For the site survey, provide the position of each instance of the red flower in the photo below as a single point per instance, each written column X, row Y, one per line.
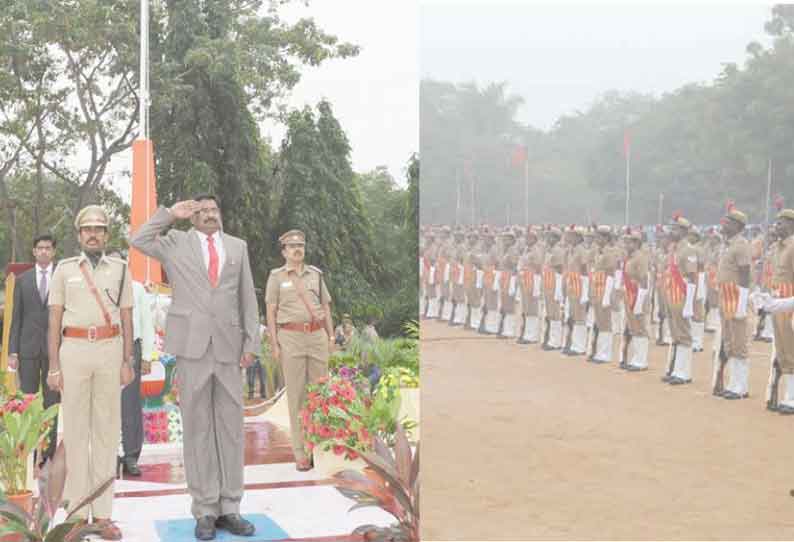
column 338, row 449
column 325, row 431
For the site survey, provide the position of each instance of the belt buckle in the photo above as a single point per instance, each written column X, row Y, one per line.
column 306, row 327
column 92, row 334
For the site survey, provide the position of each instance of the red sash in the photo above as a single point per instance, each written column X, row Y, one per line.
column 632, row 288
column 676, row 285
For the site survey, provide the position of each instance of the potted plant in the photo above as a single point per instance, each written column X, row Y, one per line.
column 390, row 483
column 404, row 384
column 18, row 525
column 333, row 420
column 26, row 426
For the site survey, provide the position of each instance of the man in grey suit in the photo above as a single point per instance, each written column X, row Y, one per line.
column 27, row 345
column 212, row 328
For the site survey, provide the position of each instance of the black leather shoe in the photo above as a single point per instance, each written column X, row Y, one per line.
column 635, row 369
column 675, row 381
column 205, row 528
column 785, row 410
column 235, row 524
column 666, row 379
column 727, row 394
column 130, row 466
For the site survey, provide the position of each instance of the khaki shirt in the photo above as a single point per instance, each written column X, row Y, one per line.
column 784, row 267
column 577, row 259
column 555, row 256
column 80, row 308
column 687, row 258
column 605, row 261
column 637, row 267
column 737, row 254
column 281, row 291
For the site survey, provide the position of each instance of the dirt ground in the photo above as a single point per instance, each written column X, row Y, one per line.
column 524, row 444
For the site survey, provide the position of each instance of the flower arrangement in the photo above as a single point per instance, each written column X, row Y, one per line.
column 333, row 417
column 399, row 377
column 155, row 425
column 25, row 426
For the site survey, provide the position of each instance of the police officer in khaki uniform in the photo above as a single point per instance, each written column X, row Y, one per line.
column 783, row 322
column 601, row 290
column 577, row 286
column 681, row 284
column 638, row 301
column 733, row 278
column 301, row 330
column 553, row 286
column 90, row 348
column 699, row 317
column 530, row 272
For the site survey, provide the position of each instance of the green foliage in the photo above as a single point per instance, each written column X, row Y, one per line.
column 683, row 144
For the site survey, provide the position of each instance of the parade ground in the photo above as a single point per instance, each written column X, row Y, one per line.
column 527, row 444
column 283, row 504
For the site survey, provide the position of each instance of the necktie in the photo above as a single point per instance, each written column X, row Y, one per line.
column 213, row 267
column 43, row 286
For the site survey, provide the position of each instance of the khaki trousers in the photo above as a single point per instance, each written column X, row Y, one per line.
column 91, row 402
column 529, row 304
column 680, row 328
column 735, row 337
column 553, row 309
column 603, row 317
column 784, row 341
column 304, row 359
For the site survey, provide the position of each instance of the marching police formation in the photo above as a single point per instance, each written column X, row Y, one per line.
column 605, row 293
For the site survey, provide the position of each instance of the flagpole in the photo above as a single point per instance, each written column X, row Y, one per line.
column 526, row 191
column 768, row 192
column 628, row 184
column 457, row 203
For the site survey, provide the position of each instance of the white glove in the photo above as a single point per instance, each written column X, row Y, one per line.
column 607, row 299
column 511, row 291
column 432, row 278
column 478, row 278
column 640, row 302
column 447, row 269
column 496, row 279
column 558, row 288
column 536, row 282
column 460, row 275
column 518, row 295
column 585, row 290
column 689, row 309
column 619, row 279
column 701, row 286
column 741, row 310
column 771, row 305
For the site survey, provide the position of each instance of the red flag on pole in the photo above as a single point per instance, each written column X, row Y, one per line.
column 519, row 156
column 626, row 144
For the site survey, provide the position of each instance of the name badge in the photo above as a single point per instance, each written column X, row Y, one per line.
column 286, row 284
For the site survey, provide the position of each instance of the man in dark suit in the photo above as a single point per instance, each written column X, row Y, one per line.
column 27, row 344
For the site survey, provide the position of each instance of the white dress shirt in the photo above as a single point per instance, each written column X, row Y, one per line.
column 205, row 249
column 39, row 272
column 143, row 319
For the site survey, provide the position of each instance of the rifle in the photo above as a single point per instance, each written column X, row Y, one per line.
column 502, row 316
column 626, row 343
column 719, row 376
column 452, row 316
column 595, row 342
column 546, row 333
column 520, row 338
column 761, row 322
column 671, row 361
column 569, row 339
column 467, row 322
column 772, row 402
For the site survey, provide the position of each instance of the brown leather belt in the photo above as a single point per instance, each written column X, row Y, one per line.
column 93, row 333
column 305, row 327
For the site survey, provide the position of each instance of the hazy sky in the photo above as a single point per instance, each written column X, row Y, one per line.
column 560, row 57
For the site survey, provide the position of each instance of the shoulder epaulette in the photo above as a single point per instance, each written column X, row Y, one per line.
column 117, row 260
column 314, row 269
column 277, row 269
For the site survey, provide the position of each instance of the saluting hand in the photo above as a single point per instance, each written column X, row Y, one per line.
column 184, row 209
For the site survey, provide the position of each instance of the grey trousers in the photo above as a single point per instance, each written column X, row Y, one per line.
column 132, row 411
column 211, row 402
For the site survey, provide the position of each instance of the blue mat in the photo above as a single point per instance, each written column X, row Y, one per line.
column 181, row 530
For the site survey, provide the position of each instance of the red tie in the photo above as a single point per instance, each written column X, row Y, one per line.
column 213, row 268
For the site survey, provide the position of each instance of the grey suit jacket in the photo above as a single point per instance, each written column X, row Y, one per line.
column 227, row 316
column 29, row 319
